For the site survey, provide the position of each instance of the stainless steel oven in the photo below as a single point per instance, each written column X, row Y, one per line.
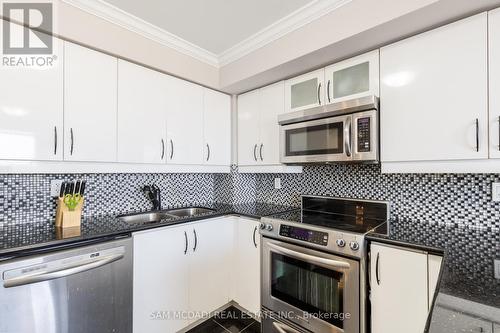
column 315, row 290
column 342, row 132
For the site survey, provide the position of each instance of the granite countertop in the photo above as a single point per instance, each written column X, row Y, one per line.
column 467, row 296
column 29, row 238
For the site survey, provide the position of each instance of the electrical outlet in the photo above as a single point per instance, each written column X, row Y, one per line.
column 277, row 183
column 497, row 268
column 55, row 187
column 495, row 192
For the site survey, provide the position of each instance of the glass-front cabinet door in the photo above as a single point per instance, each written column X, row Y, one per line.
column 353, row 78
column 305, row 91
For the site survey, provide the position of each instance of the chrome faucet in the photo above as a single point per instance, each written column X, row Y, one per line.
column 153, row 194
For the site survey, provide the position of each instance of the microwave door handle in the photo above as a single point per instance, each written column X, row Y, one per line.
column 310, row 258
column 348, row 136
column 281, row 328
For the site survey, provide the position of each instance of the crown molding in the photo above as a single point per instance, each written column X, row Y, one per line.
column 280, row 28
column 295, row 20
column 132, row 23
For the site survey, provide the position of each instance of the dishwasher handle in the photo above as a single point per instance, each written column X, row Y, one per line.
column 59, row 273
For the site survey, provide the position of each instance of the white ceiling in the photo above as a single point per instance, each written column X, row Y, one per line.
column 214, row 25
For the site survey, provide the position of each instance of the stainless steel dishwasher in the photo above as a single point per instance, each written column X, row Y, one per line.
column 80, row 290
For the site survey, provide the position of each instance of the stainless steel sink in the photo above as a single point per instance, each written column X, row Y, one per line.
column 189, row 211
column 149, row 217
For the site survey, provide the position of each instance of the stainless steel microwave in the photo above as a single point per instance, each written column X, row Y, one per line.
column 340, row 132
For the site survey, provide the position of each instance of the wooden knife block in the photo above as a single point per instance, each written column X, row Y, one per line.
column 66, row 218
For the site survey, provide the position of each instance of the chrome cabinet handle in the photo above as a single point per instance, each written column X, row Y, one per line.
column 477, row 135
column 254, row 240
column 162, row 149
column 55, row 140
column 310, row 258
column 281, row 328
column 208, row 152
column 186, row 240
column 260, row 151
column 195, row 240
column 55, row 274
column 376, row 269
column 328, row 91
column 255, row 152
column 72, row 141
column 347, row 137
column 319, row 93
column 171, row 149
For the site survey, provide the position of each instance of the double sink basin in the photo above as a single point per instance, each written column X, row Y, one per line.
column 157, row 216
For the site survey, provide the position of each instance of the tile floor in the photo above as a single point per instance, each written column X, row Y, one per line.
column 229, row 320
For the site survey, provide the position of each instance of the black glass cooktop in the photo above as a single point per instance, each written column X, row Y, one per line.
column 342, row 214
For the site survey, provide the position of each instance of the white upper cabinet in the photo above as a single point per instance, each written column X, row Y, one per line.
column 494, row 57
column 272, row 104
column 90, row 104
column 31, row 110
column 353, row 78
column 434, row 94
column 258, row 129
column 305, row 91
column 217, row 128
column 141, row 114
column 248, row 127
column 184, row 122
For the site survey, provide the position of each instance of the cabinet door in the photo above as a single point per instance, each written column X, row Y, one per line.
column 210, row 264
column 141, row 114
column 185, row 122
column 161, row 280
column 353, row 78
column 305, row 91
column 496, row 328
column 90, row 101
column 494, row 96
column 272, row 104
column 434, row 93
column 396, row 277
column 248, row 127
column 217, row 128
column 31, row 110
column 247, row 265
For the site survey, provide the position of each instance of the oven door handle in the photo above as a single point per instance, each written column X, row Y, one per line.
column 310, row 258
column 281, row 328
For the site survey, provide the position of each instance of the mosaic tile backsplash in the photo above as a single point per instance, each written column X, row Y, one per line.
column 458, row 203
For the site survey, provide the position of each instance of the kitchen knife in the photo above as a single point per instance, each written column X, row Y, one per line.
column 69, row 188
column 61, row 191
column 82, row 187
column 77, row 187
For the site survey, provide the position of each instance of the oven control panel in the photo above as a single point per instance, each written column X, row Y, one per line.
column 306, row 235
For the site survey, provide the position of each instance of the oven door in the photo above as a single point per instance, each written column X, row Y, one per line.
column 316, row 290
column 322, row 140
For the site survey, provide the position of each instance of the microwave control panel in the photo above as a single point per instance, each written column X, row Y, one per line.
column 364, row 134
column 306, row 235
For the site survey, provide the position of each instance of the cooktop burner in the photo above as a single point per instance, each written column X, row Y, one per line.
column 356, row 216
column 355, row 224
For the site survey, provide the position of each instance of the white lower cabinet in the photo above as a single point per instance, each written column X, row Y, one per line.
column 398, row 275
column 496, row 328
column 247, row 264
column 184, row 272
column 161, row 279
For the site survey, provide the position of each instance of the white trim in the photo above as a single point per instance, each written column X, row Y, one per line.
column 57, row 167
column 453, row 166
column 278, row 29
column 132, row 23
column 297, row 19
